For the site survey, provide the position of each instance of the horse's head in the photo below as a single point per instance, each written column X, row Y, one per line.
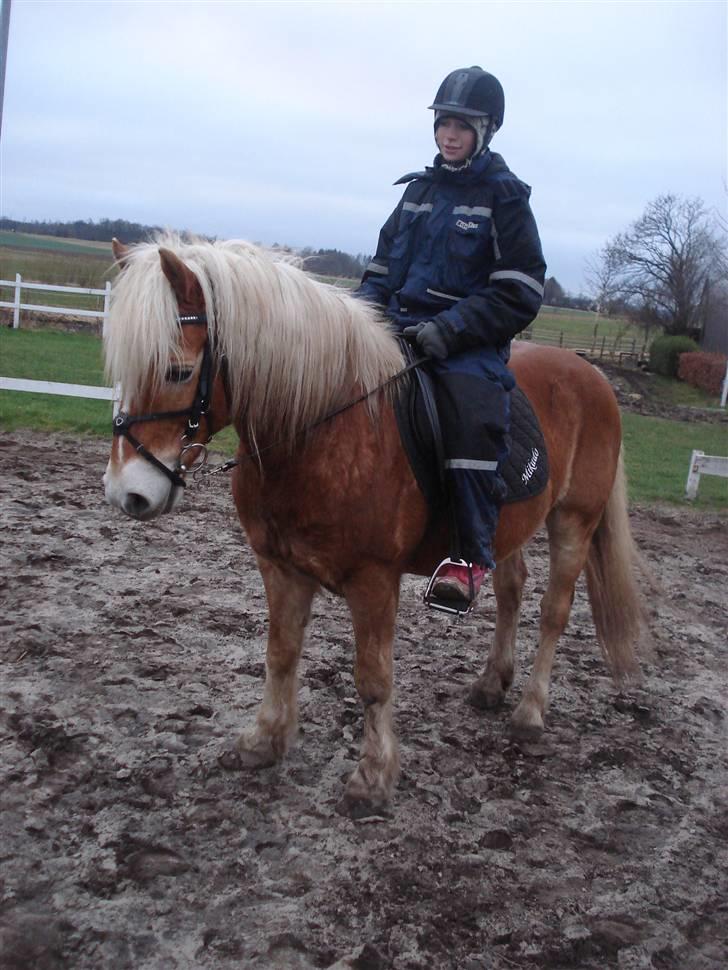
column 175, row 399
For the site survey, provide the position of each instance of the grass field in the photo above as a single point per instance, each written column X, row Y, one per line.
column 73, row 247
column 657, row 456
column 61, row 262
column 657, row 451
column 51, row 355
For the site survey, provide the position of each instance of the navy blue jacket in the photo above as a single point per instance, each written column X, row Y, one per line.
column 461, row 248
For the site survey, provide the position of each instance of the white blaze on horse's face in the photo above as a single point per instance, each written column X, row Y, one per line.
column 137, row 487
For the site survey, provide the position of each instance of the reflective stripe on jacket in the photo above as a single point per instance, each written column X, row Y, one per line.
column 461, row 248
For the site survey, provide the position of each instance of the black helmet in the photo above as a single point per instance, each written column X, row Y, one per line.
column 471, row 91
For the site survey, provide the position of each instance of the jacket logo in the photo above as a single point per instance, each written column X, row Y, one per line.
column 466, row 225
column 530, row 467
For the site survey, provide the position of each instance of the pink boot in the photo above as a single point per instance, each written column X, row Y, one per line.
column 453, row 582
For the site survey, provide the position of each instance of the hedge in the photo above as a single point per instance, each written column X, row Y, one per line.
column 703, row 370
column 665, row 353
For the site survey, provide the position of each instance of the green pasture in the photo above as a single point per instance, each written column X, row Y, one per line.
column 72, row 247
column 657, row 450
column 657, row 455
column 52, row 355
column 66, row 264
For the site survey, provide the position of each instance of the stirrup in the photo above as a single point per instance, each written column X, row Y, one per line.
column 448, row 605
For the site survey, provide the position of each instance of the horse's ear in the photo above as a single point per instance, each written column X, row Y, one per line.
column 180, row 278
column 120, row 251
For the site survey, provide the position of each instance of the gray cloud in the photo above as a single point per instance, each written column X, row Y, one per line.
column 288, row 122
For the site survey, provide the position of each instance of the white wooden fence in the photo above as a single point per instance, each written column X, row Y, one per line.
column 18, row 286
column 56, row 387
column 702, row 464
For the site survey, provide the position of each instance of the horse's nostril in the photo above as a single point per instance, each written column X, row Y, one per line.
column 136, row 505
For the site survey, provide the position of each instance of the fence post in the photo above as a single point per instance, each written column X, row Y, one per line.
column 107, row 297
column 691, row 486
column 16, row 308
column 724, row 392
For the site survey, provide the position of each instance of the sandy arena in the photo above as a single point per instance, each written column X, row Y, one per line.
column 133, row 654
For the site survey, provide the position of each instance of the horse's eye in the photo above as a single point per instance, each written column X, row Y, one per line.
column 177, row 375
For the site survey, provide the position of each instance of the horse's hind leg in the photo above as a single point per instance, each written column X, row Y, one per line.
column 490, row 688
column 569, row 537
column 372, row 596
column 289, row 604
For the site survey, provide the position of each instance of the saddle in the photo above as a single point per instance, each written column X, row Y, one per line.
column 526, row 471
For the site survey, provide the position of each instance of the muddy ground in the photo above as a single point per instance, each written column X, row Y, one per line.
column 132, row 653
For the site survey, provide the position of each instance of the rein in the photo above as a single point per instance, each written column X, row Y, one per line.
column 200, row 407
column 226, row 466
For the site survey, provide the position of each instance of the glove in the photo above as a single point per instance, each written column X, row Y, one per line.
column 428, row 338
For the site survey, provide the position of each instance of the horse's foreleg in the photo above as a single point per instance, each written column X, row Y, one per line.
column 490, row 688
column 372, row 597
column 569, row 538
column 289, row 604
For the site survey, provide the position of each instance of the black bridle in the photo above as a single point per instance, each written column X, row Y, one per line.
column 199, row 408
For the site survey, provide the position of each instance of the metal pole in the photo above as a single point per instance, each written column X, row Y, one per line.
column 4, row 31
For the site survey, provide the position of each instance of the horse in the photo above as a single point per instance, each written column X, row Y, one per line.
column 202, row 334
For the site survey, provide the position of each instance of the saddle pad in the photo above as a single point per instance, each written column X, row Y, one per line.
column 525, row 472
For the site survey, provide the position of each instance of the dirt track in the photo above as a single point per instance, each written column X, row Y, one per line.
column 133, row 653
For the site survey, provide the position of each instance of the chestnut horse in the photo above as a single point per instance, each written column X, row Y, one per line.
column 203, row 334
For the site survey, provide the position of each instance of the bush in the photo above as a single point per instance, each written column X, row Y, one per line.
column 703, row 370
column 665, row 353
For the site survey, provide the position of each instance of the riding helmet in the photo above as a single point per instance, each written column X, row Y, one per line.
column 471, row 91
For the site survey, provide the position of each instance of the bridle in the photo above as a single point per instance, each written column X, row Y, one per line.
column 199, row 408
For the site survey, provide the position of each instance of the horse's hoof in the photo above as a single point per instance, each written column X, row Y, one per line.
column 356, row 807
column 254, row 752
column 237, row 759
column 523, row 730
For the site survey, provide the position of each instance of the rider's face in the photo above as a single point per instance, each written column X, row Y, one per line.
column 455, row 139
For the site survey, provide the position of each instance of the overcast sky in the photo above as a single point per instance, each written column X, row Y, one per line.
column 289, row 122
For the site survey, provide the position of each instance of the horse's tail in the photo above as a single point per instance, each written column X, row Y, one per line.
column 617, row 608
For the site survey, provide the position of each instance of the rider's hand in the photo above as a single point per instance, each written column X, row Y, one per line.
column 428, row 338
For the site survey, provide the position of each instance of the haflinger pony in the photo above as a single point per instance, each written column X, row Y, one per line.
column 203, row 334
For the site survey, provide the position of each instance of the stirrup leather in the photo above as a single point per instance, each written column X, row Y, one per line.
column 453, row 606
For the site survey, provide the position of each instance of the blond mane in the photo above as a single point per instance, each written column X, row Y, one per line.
column 295, row 348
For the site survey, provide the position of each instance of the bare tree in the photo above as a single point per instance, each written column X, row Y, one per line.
column 602, row 279
column 661, row 264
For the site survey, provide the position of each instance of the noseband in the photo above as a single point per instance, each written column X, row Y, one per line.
column 200, row 406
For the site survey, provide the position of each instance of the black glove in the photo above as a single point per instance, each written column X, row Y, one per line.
column 428, row 338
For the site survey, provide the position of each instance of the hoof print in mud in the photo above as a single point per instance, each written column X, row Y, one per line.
column 362, row 808
column 483, row 700
column 229, row 759
column 528, row 733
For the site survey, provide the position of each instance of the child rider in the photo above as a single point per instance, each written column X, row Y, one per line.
column 459, row 270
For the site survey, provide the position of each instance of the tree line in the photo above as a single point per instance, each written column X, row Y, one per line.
column 102, row 231
column 324, row 262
